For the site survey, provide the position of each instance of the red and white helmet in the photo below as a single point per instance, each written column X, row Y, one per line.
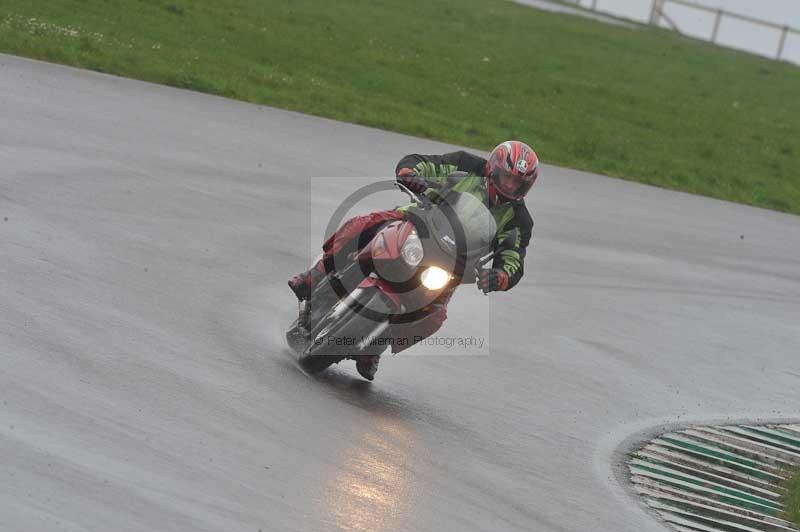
column 512, row 169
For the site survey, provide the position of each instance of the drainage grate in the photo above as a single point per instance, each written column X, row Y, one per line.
column 719, row 478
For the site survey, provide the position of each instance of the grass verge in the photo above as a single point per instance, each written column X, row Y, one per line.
column 641, row 104
column 792, row 499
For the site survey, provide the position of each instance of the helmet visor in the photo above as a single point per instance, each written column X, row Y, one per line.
column 514, row 186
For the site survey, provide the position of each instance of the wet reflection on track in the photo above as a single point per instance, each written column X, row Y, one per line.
column 372, row 487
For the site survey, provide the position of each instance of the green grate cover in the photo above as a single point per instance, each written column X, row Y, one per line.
column 718, row 478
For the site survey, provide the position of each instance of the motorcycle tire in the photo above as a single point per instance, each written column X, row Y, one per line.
column 349, row 324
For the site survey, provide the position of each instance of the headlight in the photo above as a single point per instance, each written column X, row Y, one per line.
column 379, row 246
column 435, row 278
column 412, row 250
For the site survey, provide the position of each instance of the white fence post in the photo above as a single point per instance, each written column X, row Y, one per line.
column 716, row 26
column 655, row 12
column 782, row 42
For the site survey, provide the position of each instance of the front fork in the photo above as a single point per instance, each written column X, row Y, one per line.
column 303, row 314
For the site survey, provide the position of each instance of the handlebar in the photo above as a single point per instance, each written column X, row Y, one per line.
column 420, row 199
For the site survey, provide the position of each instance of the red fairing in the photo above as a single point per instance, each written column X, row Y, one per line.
column 386, row 247
column 384, row 287
column 352, row 228
column 387, row 243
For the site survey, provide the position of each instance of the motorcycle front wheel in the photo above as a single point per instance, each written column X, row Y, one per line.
column 346, row 332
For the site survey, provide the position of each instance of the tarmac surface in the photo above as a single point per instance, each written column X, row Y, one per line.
column 146, row 234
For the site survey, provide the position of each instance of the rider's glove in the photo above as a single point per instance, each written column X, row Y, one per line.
column 492, row 280
column 410, row 178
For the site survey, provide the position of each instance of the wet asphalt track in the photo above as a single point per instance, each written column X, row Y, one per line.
column 144, row 382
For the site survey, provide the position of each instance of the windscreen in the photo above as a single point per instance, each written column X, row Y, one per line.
column 462, row 215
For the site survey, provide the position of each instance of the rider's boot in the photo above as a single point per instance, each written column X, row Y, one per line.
column 303, row 284
column 367, row 366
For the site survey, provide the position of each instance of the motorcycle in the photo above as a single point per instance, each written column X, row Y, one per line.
column 405, row 267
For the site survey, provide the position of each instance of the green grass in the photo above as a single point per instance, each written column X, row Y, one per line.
column 642, row 104
column 792, row 499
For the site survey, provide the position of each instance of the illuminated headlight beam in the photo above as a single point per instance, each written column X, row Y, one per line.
column 435, row 278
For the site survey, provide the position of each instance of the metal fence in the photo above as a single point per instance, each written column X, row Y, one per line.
column 658, row 14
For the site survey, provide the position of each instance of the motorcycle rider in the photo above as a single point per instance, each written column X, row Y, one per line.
column 501, row 183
